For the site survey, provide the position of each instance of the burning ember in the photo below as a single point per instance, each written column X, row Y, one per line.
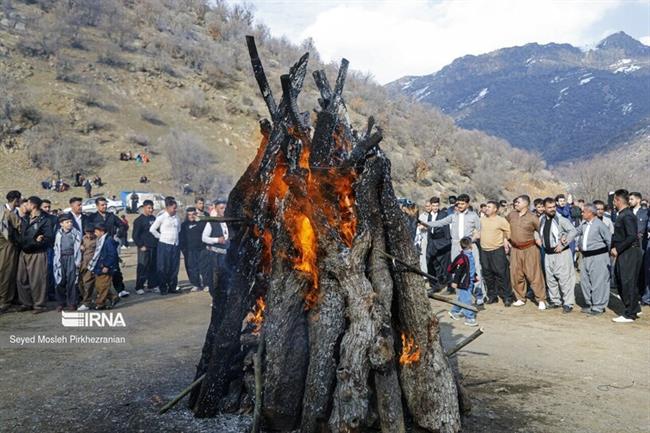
column 410, row 351
column 256, row 317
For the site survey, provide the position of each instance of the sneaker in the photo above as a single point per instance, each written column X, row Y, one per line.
column 639, row 314
column 541, row 305
column 518, row 303
column 123, row 294
column 206, row 289
column 472, row 322
column 124, row 247
column 454, row 316
column 115, row 302
column 507, row 303
column 156, row 290
column 140, row 292
column 622, row 319
column 83, row 308
column 480, row 307
column 596, row 312
column 552, row 306
column 585, row 310
column 195, row 289
column 567, row 309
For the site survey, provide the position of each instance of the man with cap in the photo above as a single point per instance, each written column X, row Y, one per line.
column 166, row 229
column 103, row 266
column 191, row 246
column 216, row 238
column 67, row 259
column 35, row 239
column 86, row 276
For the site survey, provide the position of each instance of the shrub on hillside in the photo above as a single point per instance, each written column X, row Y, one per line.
column 190, row 160
column 151, row 117
column 198, row 107
column 52, row 149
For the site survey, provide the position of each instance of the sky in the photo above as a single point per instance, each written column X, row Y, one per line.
column 391, row 38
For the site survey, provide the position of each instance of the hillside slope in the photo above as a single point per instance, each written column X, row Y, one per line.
column 554, row 99
column 95, row 78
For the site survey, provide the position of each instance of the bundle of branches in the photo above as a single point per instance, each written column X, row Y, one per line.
column 341, row 340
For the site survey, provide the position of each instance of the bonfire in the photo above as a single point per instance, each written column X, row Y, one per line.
column 318, row 330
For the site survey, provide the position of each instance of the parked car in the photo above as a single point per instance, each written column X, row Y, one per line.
column 157, row 199
column 88, row 206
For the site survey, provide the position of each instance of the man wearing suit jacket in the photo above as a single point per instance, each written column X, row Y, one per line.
column 79, row 220
column 641, row 215
column 627, row 252
column 438, row 244
column 556, row 233
column 594, row 240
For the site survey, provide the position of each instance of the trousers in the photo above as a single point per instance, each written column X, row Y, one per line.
column 560, row 277
column 66, row 290
column 594, row 281
column 626, row 273
column 8, row 267
column 146, row 269
column 168, row 261
column 31, row 279
column 193, row 266
column 464, row 296
column 525, row 266
column 496, row 274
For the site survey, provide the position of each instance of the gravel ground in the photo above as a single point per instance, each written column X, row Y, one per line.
column 538, row 372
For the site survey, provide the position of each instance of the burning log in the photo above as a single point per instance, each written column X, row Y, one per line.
column 347, row 342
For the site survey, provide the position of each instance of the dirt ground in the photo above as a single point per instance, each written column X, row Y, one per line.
column 532, row 371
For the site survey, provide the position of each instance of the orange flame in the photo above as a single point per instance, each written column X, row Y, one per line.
column 256, row 317
column 410, row 351
column 304, row 239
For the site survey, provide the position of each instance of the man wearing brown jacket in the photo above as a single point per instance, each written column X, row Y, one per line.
column 525, row 258
column 9, row 250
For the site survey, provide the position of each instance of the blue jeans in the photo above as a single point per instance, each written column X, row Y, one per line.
column 464, row 296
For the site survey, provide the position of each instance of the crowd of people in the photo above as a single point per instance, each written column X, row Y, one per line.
column 531, row 251
column 74, row 258
column 513, row 253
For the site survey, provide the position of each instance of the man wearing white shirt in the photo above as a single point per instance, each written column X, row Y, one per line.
column 594, row 240
column 166, row 229
column 216, row 238
column 463, row 222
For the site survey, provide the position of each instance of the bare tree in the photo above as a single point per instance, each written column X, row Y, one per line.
column 190, row 160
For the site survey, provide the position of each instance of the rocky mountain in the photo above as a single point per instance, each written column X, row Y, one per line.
column 556, row 99
column 82, row 81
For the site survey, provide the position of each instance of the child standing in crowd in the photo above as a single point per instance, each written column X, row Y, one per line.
column 86, row 276
column 67, row 259
column 103, row 265
column 463, row 272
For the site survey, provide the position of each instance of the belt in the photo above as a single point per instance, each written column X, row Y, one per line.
column 522, row 246
column 216, row 250
column 603, row 250
column 552, row 250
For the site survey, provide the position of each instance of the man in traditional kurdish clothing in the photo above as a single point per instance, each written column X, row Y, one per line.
column 525, row 259
column 9, row 249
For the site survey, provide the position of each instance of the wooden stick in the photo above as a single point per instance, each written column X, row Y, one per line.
column 257, row 366
column 441, row 298
column 180, row 396
column 464, row 343
column 431, row 277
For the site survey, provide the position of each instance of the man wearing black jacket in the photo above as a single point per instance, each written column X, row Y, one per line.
column 627, row 252
column 192, row 246
column 35, row 238
column 113, row 224
column 146, row 244
column 79, row 220
column 438, row 245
